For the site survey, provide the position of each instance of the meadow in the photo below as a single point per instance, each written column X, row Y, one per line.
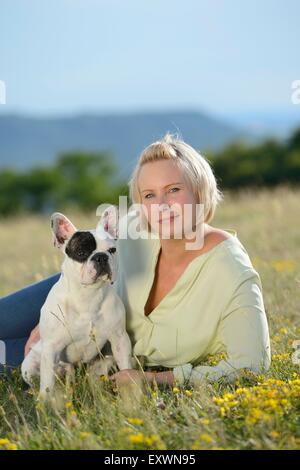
column 254, row 412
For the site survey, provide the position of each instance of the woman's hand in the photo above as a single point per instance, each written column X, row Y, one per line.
column 32, row 340
column 130, row 376
column 135, row 376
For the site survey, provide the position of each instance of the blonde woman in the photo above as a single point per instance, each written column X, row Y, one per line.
column 182, row 304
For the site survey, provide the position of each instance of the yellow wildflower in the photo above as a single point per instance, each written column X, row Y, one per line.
column 137, row 438
column 137, row 421
column 205, row 421
column 8, row 445
column 286, row 265
column 272, row 403
column 152, row 439
column 11, row 446
column 206, row 438
column 4, row 442
column 283, row 331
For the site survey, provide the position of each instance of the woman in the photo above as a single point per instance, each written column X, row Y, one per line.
column 182, row 304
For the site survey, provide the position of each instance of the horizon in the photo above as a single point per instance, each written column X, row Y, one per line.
column 277, row 123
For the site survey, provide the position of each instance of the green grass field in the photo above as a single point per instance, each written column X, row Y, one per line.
column 253, row 413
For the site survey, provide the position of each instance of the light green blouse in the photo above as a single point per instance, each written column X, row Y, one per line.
column 216, row 305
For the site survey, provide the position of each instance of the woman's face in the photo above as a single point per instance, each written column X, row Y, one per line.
column 164, row 191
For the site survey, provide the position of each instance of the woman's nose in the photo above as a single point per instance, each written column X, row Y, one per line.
column 162, row 200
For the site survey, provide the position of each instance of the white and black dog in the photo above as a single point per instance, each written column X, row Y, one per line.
column 82, row 311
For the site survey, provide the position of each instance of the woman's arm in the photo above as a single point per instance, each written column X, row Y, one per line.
column 161, row 378
column 244, row 333
column 33, row 339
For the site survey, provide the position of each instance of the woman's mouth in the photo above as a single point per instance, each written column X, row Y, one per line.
column 168, row 218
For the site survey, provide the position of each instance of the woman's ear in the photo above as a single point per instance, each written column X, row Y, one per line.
column 109, row 222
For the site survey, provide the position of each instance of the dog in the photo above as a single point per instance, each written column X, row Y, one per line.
column 82, row 311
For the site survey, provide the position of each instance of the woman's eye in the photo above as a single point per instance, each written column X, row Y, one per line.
column 112, row 250
column 173, row 190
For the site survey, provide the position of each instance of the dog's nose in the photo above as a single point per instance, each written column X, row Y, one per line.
column 100, row 258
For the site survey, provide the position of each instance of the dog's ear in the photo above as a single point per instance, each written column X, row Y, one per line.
column 62, row 229
column 109, row 219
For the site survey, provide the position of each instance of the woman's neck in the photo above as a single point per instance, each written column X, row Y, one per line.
column 174, row 250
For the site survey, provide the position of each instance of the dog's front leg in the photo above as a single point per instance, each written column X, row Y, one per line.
column 48, row 362
column 121, row 349
column 31, row 364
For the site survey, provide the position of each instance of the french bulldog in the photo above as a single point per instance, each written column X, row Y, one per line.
column 82, row 311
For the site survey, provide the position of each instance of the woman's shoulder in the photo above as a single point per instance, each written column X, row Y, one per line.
column 231, row 259
column 217, row 235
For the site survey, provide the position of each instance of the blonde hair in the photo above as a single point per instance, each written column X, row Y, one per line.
column 195, row 168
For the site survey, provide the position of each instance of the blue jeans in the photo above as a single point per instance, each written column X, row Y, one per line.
column 19, row 314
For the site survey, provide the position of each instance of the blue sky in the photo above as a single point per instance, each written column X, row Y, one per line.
column 224, row 56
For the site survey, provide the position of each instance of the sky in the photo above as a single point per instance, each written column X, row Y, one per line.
column 223, row 56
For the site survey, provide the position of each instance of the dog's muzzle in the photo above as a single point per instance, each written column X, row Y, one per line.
column 101, row 263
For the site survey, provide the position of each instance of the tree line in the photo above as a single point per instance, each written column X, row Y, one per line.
column 86, row 179
column 79, row 179
column 269, row 163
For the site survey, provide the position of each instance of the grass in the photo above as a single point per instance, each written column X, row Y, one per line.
column 253, row 413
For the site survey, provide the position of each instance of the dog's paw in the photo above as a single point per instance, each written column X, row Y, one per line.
column 64, row 369
column 102, row 366
column 43, row 396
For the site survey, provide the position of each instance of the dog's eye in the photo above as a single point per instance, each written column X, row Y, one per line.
column 80, row 253
column 112, row 250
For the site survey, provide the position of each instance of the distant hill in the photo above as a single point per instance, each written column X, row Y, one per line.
column 27, row 141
